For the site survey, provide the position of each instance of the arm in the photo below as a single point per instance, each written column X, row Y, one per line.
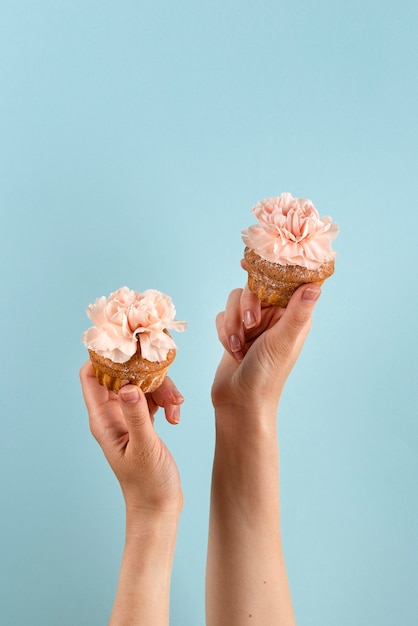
column 147, row 473
column 246, row 575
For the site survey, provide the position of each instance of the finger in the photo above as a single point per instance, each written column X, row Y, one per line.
column 220, row 328
column 295, row 322
column 223, row 337
column 250, row 309
column 94, row 394
column 230, row 327
column 269, row 316
column 100, row 404
column 134, row 406
column 169, row 397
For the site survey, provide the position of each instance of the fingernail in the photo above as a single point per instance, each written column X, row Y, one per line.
column 129, row 395
column 234, row 343
column 311, row 294
column 249, row 320
column 176, row 415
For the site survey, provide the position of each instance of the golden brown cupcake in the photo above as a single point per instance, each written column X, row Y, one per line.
column 129, row 342
column 290, row 246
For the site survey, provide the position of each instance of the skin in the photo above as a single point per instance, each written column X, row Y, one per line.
column 150, row 483
column 246, row 579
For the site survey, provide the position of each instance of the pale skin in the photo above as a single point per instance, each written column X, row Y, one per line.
column 150, row 483
column 246, row 579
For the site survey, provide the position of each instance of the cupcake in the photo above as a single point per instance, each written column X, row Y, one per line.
column 290, row 246
column 129, row 342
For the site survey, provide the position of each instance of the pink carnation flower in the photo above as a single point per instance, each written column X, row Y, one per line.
column 127, row 316
column 290, row 232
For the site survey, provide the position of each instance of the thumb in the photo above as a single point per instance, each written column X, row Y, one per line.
column 295, row 323
column 135, row 410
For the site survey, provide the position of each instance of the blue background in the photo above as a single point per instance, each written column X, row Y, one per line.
column 134, row 139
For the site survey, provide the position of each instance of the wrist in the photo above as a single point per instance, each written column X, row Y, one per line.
column 244, row 441
column 246, row 425
column 145, row 506
column 145, row 522
column 150, row 542
column 246, row 462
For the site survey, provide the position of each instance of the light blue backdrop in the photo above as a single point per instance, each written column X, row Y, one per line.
column 134, row 139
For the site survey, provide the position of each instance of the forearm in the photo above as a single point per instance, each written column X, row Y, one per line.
column 246, row 575
column 143, row 593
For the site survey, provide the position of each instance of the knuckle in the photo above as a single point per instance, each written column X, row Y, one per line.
column 298, row 321
column 236, row 293
column 219, row 319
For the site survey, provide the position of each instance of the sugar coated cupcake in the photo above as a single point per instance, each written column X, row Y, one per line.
column 129, row 341
column 290, row 246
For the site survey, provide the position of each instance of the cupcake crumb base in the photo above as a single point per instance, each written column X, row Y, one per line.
column 275, row 284
column 148, row 375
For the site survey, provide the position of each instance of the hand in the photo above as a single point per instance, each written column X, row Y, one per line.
column 123, row 426
column 261, row 345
